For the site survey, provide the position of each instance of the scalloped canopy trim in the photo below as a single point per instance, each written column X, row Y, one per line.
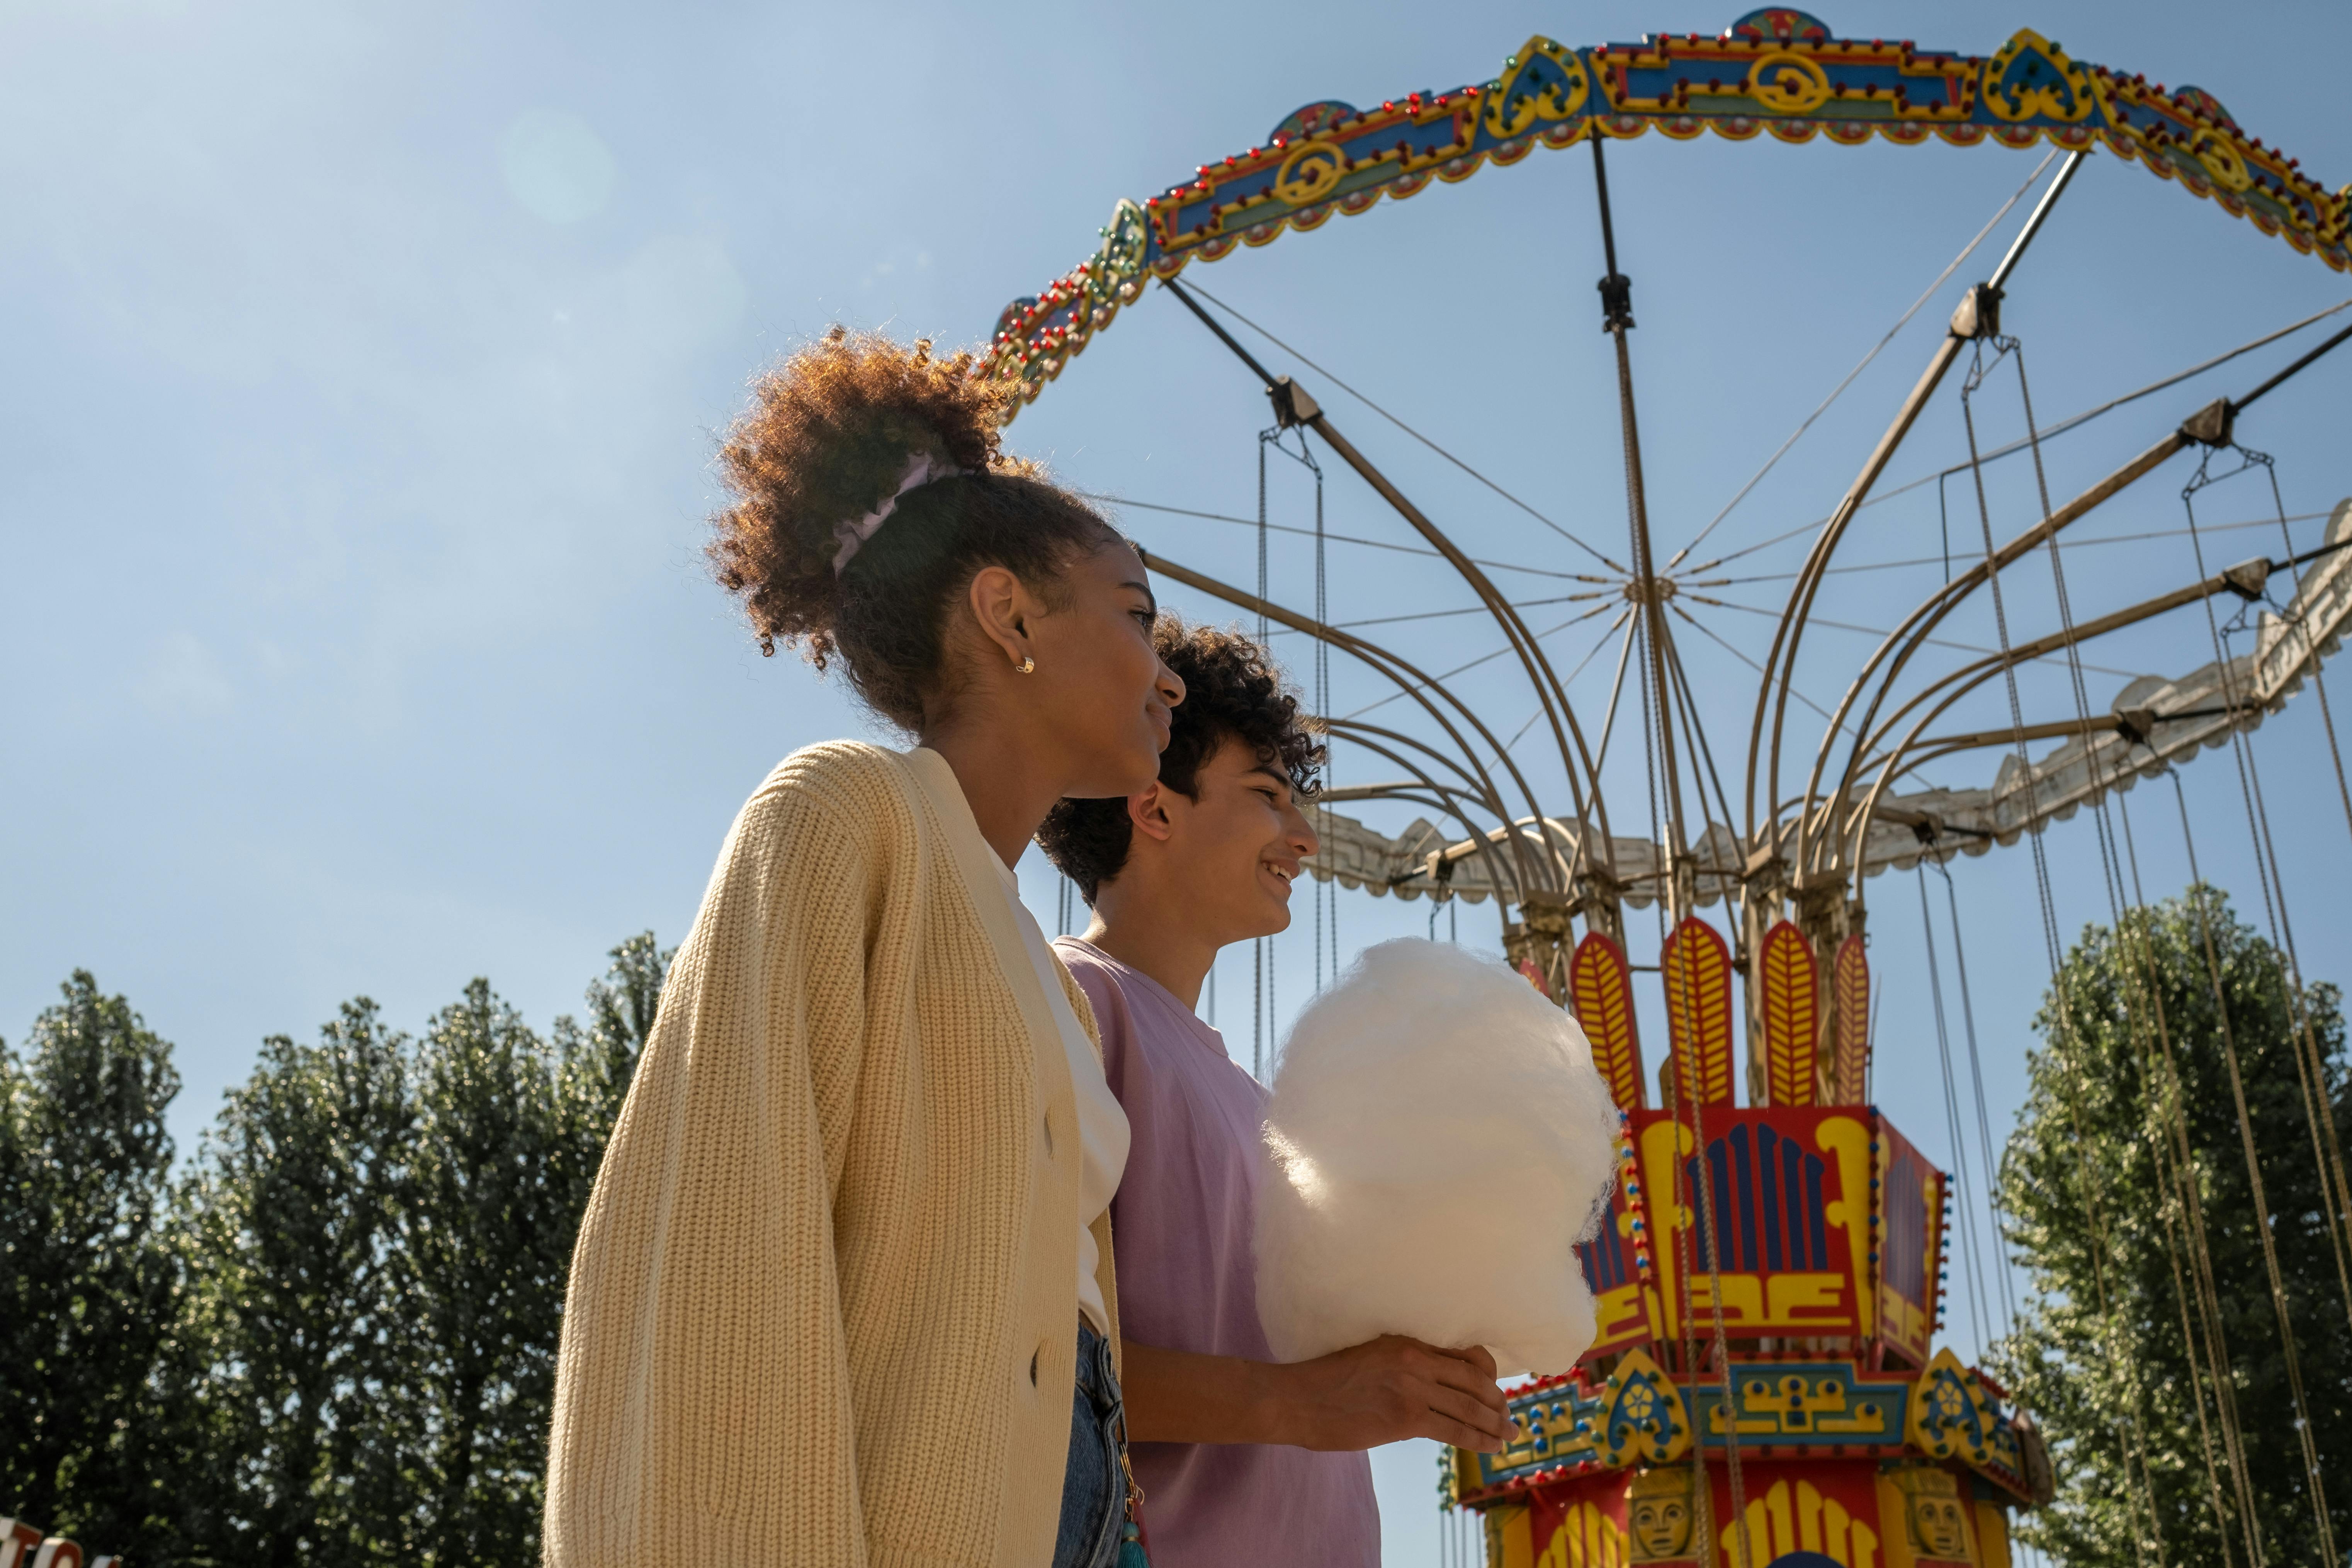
column 1774, row 72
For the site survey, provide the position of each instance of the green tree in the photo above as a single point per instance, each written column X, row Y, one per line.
column 622, row 1005
column 2116, row 1390
column 485, row 1236
column 334, row 1340
column 510, row 1133
column 289, row 1225
column 88, row 1284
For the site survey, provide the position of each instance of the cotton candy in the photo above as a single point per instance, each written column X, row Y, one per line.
column 1436, row 1141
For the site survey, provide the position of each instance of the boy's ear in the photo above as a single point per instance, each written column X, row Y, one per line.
column 1147, row 809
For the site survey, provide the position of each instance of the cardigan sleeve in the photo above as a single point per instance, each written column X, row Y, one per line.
column 703, row 1408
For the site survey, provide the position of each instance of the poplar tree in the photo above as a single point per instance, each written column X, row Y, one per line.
column 486, row 1229
column 290, row 1227
column 333, row 1341
column 510, row 1132
column 622, row 1005
column 89, row 1282
column 2100, row 1356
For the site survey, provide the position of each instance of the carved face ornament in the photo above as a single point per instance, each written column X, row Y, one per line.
column 1662, row 1526
column 1936, row 1522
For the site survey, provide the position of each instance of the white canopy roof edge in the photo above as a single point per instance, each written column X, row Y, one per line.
column 1934, row 823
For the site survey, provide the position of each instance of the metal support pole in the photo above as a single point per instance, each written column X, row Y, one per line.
column 1293, row 406
column 1617, row 320
column 1978, row 315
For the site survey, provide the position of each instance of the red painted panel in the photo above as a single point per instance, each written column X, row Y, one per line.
column 1792, row 1011
column 1851, row 978
column 1696, row 968
column 1599, row 986
column 1910, row 1229
column 1789, row 1189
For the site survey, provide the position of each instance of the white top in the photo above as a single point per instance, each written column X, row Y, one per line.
column 1102, row 1125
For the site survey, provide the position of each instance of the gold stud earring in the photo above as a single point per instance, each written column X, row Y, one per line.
column 1028, row 666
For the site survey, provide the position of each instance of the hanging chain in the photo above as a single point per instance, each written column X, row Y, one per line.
column 2310, row 1069
column 2143, row 1003
column 1323, row 695
column 2202, row 478
column 2254, row 1185
column 2327, row 1148
column 1984, row 1125
column 2182, row 1168
column 2302, row 623
column 1258, row 945
column 1971, row 1254
column 2096, row 1209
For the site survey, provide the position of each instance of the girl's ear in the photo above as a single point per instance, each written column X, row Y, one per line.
column 1002, row 606
column 1147, row 809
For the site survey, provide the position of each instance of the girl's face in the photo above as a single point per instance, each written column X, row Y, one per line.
column 1099, row 683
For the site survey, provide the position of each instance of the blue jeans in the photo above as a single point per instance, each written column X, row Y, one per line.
column 1094, row 1490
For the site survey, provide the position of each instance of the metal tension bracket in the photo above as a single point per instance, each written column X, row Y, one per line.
column 2213, row 424
column 1292, row 404
column 1978, row 313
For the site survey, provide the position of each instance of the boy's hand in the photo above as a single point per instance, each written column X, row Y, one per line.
column 1389, row 1389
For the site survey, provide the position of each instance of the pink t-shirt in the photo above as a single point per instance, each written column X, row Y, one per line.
column 1181, row 1234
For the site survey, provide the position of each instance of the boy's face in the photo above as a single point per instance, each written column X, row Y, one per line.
column 1231, row 853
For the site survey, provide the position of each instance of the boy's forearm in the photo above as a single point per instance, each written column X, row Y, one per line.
column 1360, row 1397
column 1179, row 1397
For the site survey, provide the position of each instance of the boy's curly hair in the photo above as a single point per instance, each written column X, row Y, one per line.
column 826, row 438
column 1232, row 690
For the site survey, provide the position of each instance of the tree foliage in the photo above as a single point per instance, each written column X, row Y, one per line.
column 88, row 1279
column 332, row 1338
column 2110, row 1352
column 290, row 1229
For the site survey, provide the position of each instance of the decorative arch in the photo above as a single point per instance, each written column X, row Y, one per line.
column 1774, row 72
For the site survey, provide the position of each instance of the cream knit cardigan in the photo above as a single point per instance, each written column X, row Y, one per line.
column 825, row 1303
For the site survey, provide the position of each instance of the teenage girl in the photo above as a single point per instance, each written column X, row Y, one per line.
column 843, row 1294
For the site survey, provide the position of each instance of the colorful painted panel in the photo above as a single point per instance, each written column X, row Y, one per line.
column 1794, row 1405
column 1777, row 71
column 1791, row 1244
column 1601, row 987
column 1850, row 979
column 1910, row 1228
column 1554, row 1433
column 1801, row 1242
column 1567, row 1427
column 1928, row 1521
column 1956, row 1415
column 1643, row 1419
column 1696, row 969
column 1829, row 1508
column 1791, row 986
column 1580, row 1524
column 1562, row 1428
column 1591, row 1521
column 1533, row 976
column 1616, row 1262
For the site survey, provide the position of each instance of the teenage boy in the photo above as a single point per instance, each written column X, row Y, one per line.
column 1241, row 1460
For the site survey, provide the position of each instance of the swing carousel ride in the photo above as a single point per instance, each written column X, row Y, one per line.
column 1767, row 1387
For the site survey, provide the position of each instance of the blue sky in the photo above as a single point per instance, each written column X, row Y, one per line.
column 366, row 362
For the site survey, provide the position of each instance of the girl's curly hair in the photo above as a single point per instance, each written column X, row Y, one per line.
column 825, row 440
column 1232, row 691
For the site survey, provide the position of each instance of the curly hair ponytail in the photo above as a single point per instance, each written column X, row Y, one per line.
column 827, row 439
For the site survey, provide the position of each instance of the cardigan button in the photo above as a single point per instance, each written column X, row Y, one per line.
column 1049, row 1134
column 1033, row 1365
